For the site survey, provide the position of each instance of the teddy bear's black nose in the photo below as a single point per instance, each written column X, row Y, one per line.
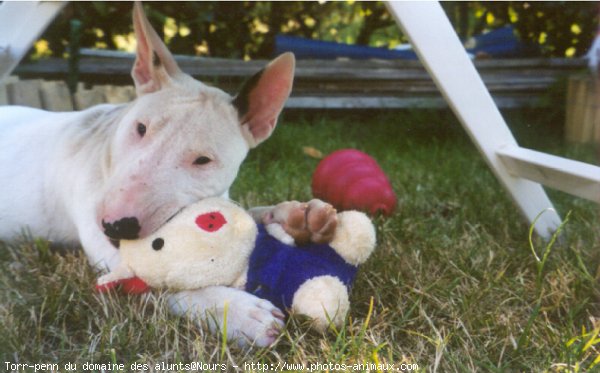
column 122, row 229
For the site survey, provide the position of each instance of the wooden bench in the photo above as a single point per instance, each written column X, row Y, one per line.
column 341, row 84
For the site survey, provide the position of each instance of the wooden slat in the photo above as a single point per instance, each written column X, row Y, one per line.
column 315, row 69
column 355, row 102
column 3, row 95
column 570, row 109
column 4, row 98
column 391, row 102
column 118, row 94
column 56, row 96
column 582, row 109
column 85, row 98
column 577, row 178
column 26, row 93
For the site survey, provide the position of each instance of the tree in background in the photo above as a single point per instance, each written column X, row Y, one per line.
column 247, row 29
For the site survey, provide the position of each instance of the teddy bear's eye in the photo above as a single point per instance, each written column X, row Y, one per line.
column 158, row 244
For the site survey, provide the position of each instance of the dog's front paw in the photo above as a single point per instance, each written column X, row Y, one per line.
column 291, row 216
column 314, row 221
column 321, row 220
column 247, row 319
column 254, row 321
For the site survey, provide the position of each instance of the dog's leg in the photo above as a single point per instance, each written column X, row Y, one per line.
column 314, row 221
column 101, row 254
column 247, row 318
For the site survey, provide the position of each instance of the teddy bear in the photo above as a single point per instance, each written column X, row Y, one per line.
column 216, row 242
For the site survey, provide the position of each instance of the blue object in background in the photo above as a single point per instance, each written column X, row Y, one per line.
column 498, row 43
column 316, row 49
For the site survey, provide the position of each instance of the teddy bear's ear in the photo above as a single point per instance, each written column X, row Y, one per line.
column 211, row 221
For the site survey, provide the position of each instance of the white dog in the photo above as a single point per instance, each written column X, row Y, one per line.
column 123, row 170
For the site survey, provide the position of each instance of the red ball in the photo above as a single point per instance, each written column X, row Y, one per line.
column 351, row 180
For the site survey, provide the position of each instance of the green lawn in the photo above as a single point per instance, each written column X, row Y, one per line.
column 453, row 284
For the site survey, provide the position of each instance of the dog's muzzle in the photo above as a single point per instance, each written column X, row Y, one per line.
column 122, row 229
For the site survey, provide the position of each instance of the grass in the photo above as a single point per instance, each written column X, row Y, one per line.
column 453, row 284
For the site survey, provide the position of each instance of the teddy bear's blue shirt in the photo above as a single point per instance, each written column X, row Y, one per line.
column 277, row 270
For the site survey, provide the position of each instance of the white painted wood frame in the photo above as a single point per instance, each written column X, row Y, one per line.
column 519, row 170
column 21, row 23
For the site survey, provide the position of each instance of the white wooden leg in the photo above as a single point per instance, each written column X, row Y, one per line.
column 21, row 23
column 446, row 60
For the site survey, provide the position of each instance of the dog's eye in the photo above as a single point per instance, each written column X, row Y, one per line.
column 141, row 129
column 202, row 160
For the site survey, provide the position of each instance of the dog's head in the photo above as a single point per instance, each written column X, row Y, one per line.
column 181, row 140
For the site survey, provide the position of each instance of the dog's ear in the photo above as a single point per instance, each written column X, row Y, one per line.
column 262, row 97
column 154, row 65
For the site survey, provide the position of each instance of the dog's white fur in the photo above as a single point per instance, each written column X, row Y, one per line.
column 64, row 173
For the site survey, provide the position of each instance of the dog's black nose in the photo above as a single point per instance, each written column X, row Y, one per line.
column 122, row 229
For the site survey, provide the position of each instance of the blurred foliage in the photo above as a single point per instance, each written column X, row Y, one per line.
column 561, row 28
column 247, row 29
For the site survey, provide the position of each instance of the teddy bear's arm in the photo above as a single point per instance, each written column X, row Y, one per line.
column 354, row 237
